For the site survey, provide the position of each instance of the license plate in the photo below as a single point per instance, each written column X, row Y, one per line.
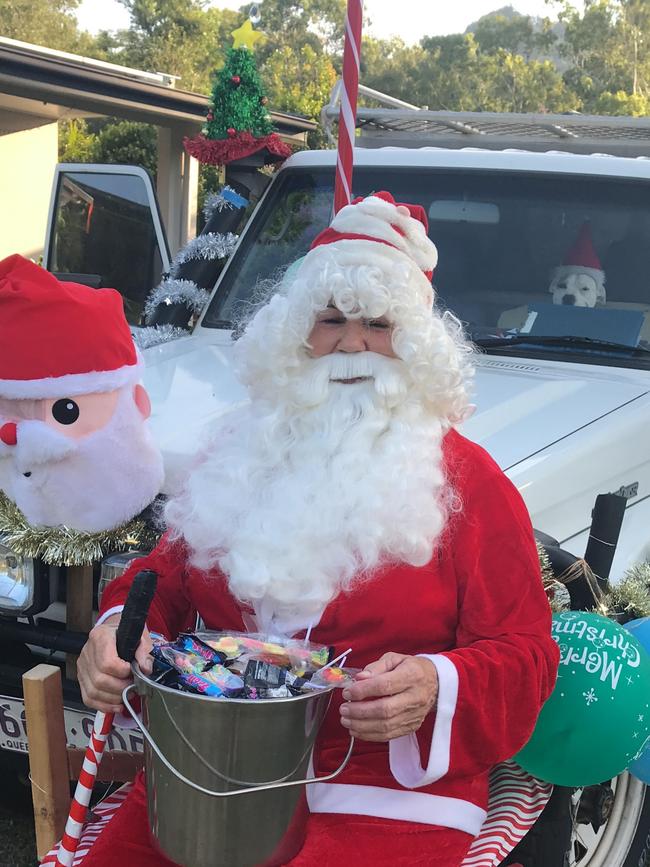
column 78, row 726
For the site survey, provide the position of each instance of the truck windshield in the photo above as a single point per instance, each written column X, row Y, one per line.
column 500, row 238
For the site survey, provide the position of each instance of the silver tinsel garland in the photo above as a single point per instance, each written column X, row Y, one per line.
column 154, row 335
column 212, row 245
column 220, row 202
column 174, row 291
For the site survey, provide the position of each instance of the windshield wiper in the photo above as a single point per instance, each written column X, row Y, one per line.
column 567, row 341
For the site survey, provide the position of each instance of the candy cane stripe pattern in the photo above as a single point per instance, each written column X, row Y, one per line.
column 83, row 792
column 349, row 93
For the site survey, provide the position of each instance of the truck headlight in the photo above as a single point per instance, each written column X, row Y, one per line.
column 114, row 566
column 17, row 580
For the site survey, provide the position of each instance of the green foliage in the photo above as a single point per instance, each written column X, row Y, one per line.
column 128, row 143
column 179, row 37
column 453, row 73
column 76, row 143
column 594, row 59
column 299, row 81
column 238, row 103
column 43, row 22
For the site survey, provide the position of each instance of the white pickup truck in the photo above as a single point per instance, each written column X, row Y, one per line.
column 562, row 392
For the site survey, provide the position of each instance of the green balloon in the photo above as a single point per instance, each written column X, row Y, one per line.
column 597, row 719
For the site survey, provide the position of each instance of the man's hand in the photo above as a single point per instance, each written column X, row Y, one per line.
column 391, row 697
column 102, row 674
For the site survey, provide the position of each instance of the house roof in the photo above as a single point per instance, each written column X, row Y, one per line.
column 90, row 86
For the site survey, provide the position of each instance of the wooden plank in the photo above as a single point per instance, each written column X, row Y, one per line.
column 79, row 608
column 48, row 761
column 116, row 765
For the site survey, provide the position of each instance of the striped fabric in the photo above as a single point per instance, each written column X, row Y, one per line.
column 99, row 817
column 516, row 801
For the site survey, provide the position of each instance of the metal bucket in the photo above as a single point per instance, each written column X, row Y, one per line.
column 226, row 777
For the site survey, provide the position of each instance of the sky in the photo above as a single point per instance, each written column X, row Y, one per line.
column 416, row 18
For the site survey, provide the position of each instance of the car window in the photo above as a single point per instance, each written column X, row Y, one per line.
column 500, row 238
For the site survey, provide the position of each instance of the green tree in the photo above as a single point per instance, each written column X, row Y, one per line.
column 76, row 143
column 179, row 37
column 295, row 23
column 299, row 81
column 515, row 33
column 452, row 73
column 43, row 22
column 128, row 143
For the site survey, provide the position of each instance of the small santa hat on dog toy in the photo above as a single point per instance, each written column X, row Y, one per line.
column 582, row 256
column 59, row 338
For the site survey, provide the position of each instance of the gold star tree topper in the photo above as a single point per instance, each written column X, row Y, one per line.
column 245, row 36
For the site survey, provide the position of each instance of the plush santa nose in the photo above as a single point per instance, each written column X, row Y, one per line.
column 9, row 434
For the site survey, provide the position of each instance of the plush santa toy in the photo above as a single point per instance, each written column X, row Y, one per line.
column 74, row 447
column 580, row 279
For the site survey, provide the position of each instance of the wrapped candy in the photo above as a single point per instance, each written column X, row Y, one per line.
column 193, row 644
column 334, row 676
column 300, row 655
column 242, row 665
column 187, row 663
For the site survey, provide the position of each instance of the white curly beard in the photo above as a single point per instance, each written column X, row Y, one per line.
column 299, row 498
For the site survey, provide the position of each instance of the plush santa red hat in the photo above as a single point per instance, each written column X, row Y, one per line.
column 582, row 257
column 60, row 339
column 378, row 226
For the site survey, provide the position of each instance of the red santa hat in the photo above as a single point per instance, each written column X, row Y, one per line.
column 60, row 339
column 582, row 256
column 378, row 224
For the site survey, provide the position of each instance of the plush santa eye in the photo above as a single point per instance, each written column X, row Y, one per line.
column 65, row 411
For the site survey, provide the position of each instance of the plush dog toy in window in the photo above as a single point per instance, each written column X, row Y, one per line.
column 580, row 279
column 74, row 447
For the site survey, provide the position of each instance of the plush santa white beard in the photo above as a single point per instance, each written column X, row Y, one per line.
column 309, row 493
column 91, row 484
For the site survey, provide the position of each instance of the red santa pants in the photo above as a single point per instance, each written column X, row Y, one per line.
column 332, row 840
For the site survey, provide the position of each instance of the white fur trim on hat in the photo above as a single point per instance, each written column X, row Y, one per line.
column 355, row 251
column 377, row 218
column 71, row 384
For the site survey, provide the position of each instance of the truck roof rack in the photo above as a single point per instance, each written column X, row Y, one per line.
column 404, row 125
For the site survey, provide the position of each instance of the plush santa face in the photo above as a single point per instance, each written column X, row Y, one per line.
column 86, row 462
column 336, row 466
column 74, row 447
column 578, row 287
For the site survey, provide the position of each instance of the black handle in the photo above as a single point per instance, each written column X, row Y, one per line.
column 135, row 612
column 606, row 520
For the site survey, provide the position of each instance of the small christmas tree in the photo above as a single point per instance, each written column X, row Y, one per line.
column 238, row 123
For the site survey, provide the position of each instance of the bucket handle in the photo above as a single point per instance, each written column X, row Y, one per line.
column 264, row 787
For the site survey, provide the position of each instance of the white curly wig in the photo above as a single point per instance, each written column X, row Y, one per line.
column 366, row 280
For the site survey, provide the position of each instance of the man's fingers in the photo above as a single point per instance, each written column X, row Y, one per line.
column 387, row 662
column 379, row 709
column 143, row 658
column 389, row 683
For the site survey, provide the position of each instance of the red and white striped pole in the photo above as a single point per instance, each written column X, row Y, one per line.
column 348, row 113
column 81, row 800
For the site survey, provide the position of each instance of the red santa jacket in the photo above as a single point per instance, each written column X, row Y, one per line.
column 477, row 610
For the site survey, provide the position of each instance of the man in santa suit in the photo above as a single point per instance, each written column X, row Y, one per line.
column 343, row 502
